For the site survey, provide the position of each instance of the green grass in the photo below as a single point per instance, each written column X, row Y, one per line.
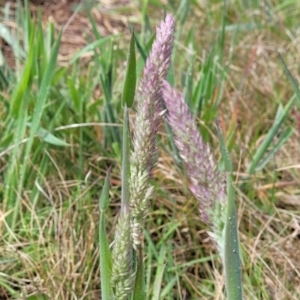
column 61, row 130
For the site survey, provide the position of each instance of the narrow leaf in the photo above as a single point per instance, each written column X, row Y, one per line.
column 125, row 160
column 283, row 138
column 88, row 48
column 224, row 151
column 159, row 274
column 231, row 240
column 280, row 117
column 139, row 287
column 130, row 77
column 105, row 255
column 48, row 137
column 23, row 84
column 231, row 250
column 11, row 41
column 141, row 50
column 291, row 78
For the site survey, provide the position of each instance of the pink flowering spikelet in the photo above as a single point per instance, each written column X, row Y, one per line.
column 148, row 118
column 207, row 183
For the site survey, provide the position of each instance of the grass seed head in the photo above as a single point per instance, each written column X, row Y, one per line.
column 207, row 183
column 148, row 119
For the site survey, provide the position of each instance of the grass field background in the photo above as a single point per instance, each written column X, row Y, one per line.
column 61, row 127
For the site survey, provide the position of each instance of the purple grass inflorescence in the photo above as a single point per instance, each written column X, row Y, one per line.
column 149, row 115
column 142, row 159
column 206, row 183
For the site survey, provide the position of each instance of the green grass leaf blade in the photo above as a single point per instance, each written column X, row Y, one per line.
column 74, row 94
column 231, row 250
column 93, row 23
column 43, row 92
column 183, row 11
column 105, row 254
column 169, row 288
column 130, row 77
column 159, row 274
column 141, row 50
column 231, row 240
column 49, row 138
column 125, row 160
column 282, row 139
column 23, row 84
column 279, row 119
column 224, row 151
column 290, row 77
column 88, row 48
column 104, row 198
column 8, row 288
column 10, row 40
column 139, row 286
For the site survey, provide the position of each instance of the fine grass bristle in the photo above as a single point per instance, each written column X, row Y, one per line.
column 61, row 116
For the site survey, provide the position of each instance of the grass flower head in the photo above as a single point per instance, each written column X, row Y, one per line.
column 148, row 119
column 207, row 183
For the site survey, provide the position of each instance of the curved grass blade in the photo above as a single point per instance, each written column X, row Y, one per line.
column 279, row 119
column 282, row 139
column 291, row 78
column 11, row 41
column 159, row 274
column 89, row 47
column 130, row 77
column 105, row 255
column 141, row 50
column 50, row 138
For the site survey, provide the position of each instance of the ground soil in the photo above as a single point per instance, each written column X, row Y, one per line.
column 72, row 17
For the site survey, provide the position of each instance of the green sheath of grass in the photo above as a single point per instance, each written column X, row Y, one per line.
column 231, row 242
column 231, row 249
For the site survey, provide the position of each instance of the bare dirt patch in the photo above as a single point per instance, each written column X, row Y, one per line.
column 72, row 17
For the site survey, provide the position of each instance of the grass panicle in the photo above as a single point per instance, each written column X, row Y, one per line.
column 148, row 118
column 208, row 185
column 206, row 182
column 122, row 277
